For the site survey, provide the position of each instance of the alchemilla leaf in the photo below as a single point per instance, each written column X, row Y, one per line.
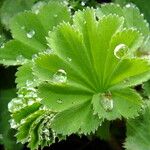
column 79, row 71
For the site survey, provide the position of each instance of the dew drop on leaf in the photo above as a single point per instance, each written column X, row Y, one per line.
column 21, row 59
column 68, row 59
column 120, row 50
column 13, row 124
column 30, row 34
column 55, row 15
column 23, row 27
column 60, row 76
column 128, row 6
column 107, row 102
column 29, row 83
column 2, row 45
column 59, row 101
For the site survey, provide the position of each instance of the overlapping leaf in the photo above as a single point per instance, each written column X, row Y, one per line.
column 29, row 30
column 138, row 132
column 85, row 51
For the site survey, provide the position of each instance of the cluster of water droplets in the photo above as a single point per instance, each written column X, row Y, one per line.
column 121, row 51
column 60, row 76
column 46, row 133
column 106, row 101
column 26, row 97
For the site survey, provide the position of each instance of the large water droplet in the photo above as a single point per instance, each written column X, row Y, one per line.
column 60, row 76
column 120, row 50
column 107, row 102
column 30, row 34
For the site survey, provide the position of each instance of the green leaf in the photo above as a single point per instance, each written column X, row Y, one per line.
column 29, row 30
column 76, row 120
column 138, row 132
column 144, row 7
column 131, row 14
column 125, row 102
column 7, row 134
column 23, row 130
column 61, row 97
column 24, row 74
column 9, row 9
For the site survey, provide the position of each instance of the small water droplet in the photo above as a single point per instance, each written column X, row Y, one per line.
column 34, row 56
column 30, row 34
column 14, row 105
column 13, row 124
column 23, row 27
column 128, row 5
column 2, row 45
column 48, row 51
column 142, row 15
column 21, row 59
column 107, row 101
column 59, row 101
column 60, row 76
column 84, row 22
column 120, row 50
column 29, row 83
column 55, row 15
column 82, row 3
column 30, row 102
column 68, row 59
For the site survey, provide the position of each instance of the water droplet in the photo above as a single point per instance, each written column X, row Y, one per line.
column 60, row 76
column 82, row 3
column 30, row 102
column 21, row 59
column 120, row 50
column 13, row 124
column 29, row 83
column 34, row 56
column 30, row 34
column 48, row 51
column 14, row 105
column 2, row 45
column 23, row 27
column 59, row 101
column 128, row 5
column 84, row 22
column 68, row 59
column 107, row 102
column 55, row 15
column 142, row 15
